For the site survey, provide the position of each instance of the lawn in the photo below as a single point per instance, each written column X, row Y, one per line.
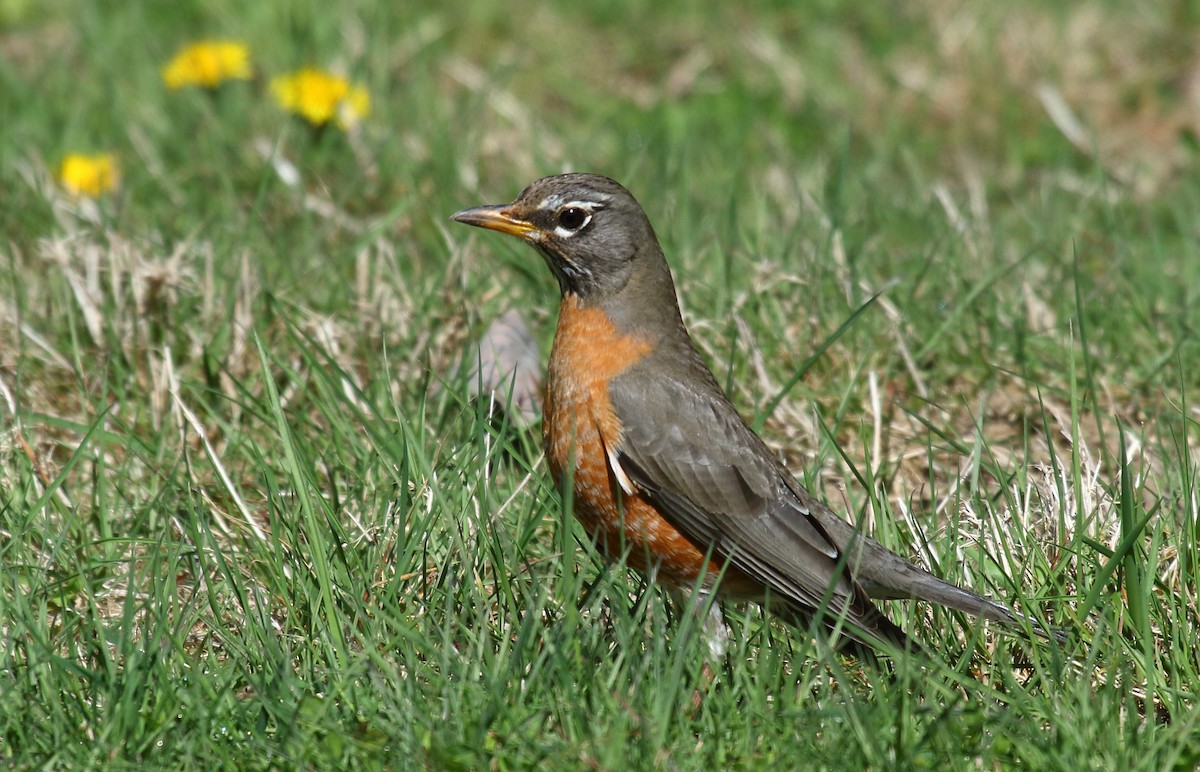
column 251, row 516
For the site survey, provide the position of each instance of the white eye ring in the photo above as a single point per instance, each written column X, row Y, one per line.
column 571, row 219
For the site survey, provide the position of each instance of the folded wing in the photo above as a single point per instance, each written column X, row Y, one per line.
column 710, row 476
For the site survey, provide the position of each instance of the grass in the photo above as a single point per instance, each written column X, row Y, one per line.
column 249, row 515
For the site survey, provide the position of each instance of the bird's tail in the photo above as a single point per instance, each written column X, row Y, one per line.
column 886, row 576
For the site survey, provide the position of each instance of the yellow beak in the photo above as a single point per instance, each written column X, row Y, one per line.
column 496, row 218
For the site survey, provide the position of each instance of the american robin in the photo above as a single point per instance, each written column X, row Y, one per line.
column 660, row 467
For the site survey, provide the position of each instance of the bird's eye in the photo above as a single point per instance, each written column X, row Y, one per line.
column 573, row 218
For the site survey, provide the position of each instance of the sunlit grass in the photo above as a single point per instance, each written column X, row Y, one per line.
column 249, row 516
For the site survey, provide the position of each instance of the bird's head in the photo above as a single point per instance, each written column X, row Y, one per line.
column 591, row 231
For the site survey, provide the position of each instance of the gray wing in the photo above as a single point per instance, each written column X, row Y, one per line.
column 709, row 474
column 712, row 477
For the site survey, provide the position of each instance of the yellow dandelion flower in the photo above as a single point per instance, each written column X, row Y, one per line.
column 208, row 63
column 89, row 175
column 320, row 97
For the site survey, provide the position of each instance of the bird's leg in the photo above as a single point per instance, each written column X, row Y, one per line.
column 715, row 632
column 707, row 611
column 716, row 635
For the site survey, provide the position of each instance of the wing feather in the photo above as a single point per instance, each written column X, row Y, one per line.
column 711, row 476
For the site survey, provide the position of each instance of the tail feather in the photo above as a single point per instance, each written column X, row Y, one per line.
column 885, row 575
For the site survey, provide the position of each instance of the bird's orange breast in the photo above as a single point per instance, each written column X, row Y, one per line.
column 583, row 435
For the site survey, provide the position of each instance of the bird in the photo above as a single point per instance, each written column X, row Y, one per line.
column 660, row 468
